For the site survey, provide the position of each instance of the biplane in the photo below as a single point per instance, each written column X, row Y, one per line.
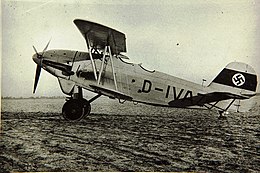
column 104, row 70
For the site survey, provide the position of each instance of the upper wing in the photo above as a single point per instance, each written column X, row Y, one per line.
column 100, row 36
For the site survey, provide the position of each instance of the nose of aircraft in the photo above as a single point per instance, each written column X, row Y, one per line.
column 36, row 59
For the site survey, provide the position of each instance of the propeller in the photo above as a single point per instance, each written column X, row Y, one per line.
column 37, row 76
column 38, row 68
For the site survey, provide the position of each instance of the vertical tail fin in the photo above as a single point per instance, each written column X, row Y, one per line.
column 236, row 78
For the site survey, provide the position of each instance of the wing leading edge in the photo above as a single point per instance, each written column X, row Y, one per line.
column 99, row 36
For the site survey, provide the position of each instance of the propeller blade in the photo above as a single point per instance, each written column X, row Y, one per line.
column 46, row 47
column 35, row 50
column 37, row 76
column 38, row 68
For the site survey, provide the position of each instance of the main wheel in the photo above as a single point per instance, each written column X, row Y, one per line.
column 87, row 107
column 73, row 110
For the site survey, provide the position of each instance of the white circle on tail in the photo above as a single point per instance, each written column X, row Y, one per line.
column 238, row 79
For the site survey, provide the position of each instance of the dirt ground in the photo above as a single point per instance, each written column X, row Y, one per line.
column 166, row 140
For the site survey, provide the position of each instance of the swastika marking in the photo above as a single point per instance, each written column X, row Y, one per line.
column 238, row 79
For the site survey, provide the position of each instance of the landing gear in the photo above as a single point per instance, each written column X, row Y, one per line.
column 222, row 114
column 86, row 107
column 77, row 107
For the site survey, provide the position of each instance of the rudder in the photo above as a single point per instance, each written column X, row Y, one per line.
column 237, row 78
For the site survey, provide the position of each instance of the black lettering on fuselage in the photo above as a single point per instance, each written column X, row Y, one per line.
column 167, row 92
column 147, row 86
column 158, row 89
column 175, row 96
column 188, row 94
column 178, row 95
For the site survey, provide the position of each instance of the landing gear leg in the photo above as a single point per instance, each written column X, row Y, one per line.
column 224, row 111
column 222, row 115
column 76, row 107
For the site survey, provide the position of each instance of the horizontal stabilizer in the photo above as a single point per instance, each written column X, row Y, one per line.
column 202, row 99
column 111, row 93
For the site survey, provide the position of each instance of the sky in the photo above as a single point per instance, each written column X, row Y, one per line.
column 190, row 39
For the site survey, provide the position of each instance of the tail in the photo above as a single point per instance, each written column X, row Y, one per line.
column 238, row 79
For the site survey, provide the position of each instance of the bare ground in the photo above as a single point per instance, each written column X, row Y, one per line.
column 174, row 140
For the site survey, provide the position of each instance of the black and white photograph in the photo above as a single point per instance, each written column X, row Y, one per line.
column 130, row 86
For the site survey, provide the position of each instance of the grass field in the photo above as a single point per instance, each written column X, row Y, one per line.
column 126, row 137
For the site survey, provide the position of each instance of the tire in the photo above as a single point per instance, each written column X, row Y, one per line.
column 73, row 110
column 87, row 107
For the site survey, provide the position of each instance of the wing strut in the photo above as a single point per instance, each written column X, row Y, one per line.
column 102, row 65
column 112, row 65
column 215, row 105
column 91, row 58
column 107, row 50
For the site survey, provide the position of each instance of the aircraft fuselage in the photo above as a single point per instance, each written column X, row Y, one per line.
column 150, row 87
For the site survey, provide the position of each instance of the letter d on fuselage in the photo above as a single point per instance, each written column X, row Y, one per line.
column 147, row 86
